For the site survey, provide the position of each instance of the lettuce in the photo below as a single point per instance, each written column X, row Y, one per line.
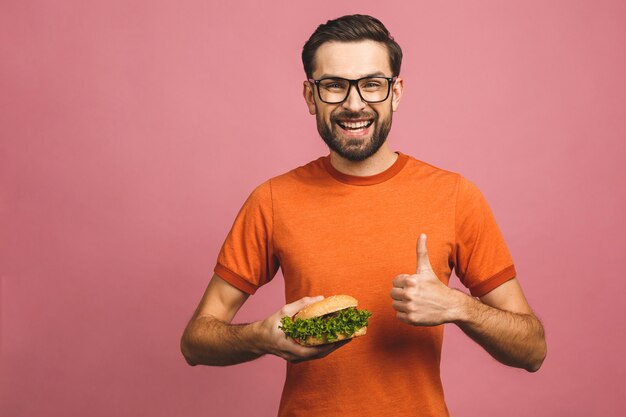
column 346, row 322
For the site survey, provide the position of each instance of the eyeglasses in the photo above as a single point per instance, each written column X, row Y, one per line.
column 334, row 90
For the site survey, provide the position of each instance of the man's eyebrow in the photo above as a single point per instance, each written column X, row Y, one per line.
column 372, row 74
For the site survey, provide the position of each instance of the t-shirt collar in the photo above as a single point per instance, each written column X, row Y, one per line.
column 369, row 179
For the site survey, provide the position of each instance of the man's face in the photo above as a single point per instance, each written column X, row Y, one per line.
column 353, row 128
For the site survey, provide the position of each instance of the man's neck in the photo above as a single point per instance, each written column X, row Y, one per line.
column 375, row 164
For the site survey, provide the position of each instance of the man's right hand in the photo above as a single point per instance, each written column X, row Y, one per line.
column 274, row 341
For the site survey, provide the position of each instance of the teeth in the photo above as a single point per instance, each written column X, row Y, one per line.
column 355, row 125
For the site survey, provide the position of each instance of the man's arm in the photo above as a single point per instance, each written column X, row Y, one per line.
column 501, row 322
column 211, row 339
column 504, row 325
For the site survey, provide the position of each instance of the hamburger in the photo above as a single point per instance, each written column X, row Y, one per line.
column 330, row 320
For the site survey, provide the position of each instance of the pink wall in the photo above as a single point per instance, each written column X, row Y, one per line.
column 132, row 131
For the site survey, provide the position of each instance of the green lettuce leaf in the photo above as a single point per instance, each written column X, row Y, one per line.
column 346, row 322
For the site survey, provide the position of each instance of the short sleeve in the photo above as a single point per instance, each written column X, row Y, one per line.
column 482, row 260
column 247, row 259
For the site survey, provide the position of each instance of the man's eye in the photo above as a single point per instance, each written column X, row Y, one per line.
column 332, row 85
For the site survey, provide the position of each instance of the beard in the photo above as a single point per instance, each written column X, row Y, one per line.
column 354, row 149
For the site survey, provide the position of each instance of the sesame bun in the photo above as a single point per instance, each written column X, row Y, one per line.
column 326, row 306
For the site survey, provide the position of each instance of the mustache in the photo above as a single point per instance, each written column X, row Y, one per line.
column 348, row 115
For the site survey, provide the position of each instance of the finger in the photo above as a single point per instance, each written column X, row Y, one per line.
column 400, row 306
column 405, row 281
column 423, row 262
column 293, row 308
column 403, row 316
column 400, row 280
column 397, row 294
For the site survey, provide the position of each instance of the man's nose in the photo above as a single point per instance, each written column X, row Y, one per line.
column 353, row 102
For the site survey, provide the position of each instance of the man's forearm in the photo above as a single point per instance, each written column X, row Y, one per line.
column 209, row 341
column 514, row 339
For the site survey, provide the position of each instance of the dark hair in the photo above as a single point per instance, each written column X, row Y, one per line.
column 351, row 28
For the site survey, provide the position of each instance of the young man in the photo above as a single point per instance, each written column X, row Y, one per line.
column 355, row 222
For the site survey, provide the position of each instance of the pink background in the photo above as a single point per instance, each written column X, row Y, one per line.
column 132, row 131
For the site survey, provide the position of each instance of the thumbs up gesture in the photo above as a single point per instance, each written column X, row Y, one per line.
column 422, row 299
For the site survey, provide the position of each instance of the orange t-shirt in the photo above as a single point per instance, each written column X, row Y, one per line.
column 333, row 233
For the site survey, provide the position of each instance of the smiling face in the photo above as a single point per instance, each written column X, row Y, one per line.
column 354, row 129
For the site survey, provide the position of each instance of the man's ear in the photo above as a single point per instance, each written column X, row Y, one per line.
column 396, row 92
column 307, row 92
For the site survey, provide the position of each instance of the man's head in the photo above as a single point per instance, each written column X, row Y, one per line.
column 353, row 117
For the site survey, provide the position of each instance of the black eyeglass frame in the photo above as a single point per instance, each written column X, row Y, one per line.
column 390, row 81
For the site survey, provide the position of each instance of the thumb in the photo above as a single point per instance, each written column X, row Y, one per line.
column 293, row 308
column 423, row 263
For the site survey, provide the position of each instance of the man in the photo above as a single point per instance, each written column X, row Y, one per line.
column 349, row 223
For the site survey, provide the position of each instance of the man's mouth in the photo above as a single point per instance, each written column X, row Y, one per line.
column 355, row 126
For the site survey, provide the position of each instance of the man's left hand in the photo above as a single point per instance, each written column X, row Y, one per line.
column 422, row 299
